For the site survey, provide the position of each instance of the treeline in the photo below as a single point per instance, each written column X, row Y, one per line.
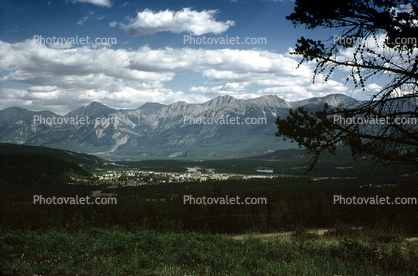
column 23, row 175
column 286, row 209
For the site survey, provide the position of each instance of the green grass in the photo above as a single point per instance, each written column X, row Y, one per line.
column 144, row 252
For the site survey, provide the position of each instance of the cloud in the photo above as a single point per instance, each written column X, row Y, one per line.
column 289, row 93
column 82, row 20
column 186, row 20
column 227, row 89
column 331, row 86
column 373, row 88
column 62, row 79
column 101, row 3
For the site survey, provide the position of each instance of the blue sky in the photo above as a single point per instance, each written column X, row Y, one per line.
column 150, row 62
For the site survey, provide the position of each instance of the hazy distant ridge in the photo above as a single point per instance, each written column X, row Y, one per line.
column 159, row 131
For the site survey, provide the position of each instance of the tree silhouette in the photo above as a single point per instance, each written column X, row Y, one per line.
column 376, row 39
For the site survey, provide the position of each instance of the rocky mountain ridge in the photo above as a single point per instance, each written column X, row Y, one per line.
column 223, row 127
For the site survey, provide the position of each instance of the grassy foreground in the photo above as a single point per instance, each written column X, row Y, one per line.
column 145, row 252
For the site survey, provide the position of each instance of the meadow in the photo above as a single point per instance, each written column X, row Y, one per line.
column 115, row 251
column 151, row 231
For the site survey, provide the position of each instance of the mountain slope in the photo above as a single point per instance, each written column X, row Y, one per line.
column 26, row 171
column 333, row 100
column 223, row 127
column 69, row 156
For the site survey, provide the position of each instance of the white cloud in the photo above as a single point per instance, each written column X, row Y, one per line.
column 227, row 89
column 68, row 78
column 328, row 87
column 82, row 20
column 288, row 93
column 299, row 91
column 186, row 20
column 113, row 24
column 43, row 92
column 373, row 88
column 102, row 3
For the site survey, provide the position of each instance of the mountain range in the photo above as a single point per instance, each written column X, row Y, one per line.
column 224, row 127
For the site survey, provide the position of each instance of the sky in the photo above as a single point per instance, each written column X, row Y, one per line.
column 60, row 55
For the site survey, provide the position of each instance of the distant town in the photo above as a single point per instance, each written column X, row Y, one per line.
column 137, row 177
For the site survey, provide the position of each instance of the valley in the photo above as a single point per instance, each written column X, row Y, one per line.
column 151, row 209
column 157, row 131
